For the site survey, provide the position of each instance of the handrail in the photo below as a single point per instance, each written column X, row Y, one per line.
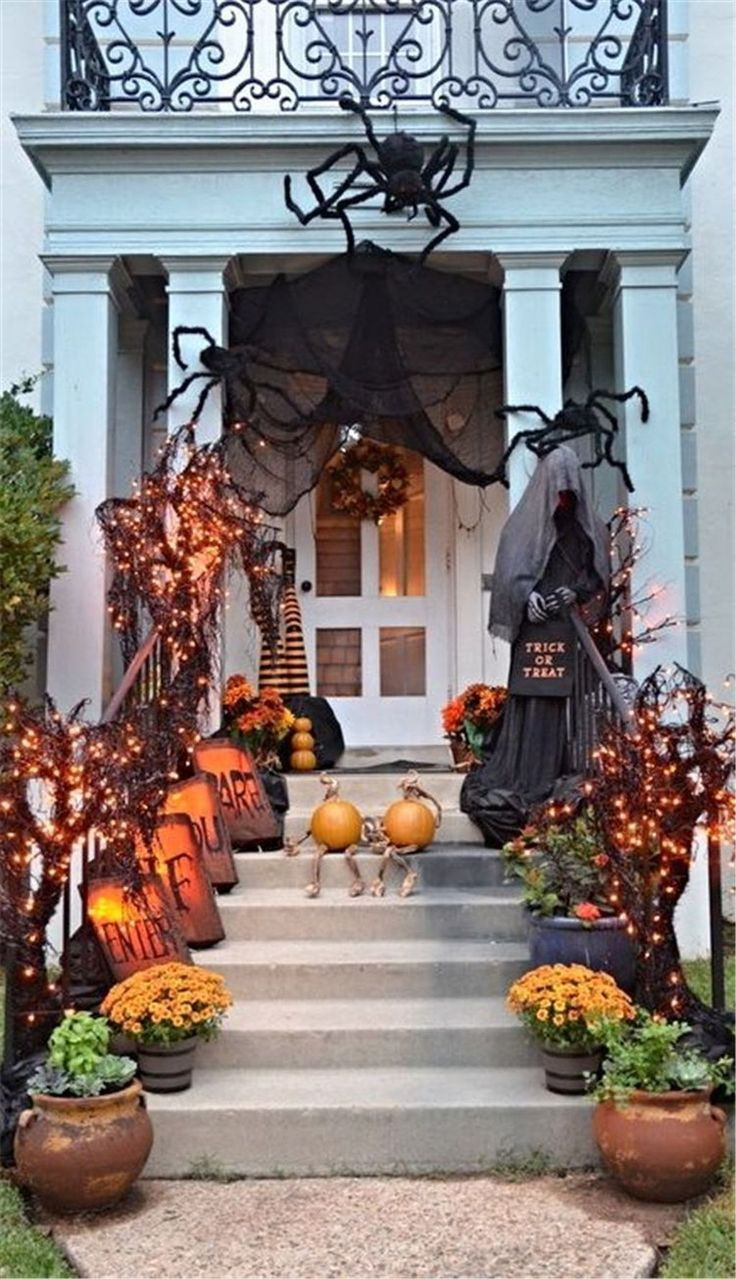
column 128, row 681
column 601, row 670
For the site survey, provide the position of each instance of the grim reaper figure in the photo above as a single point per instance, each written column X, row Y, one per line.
column 553, row 552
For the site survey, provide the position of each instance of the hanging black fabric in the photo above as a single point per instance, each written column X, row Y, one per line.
column 406, row 354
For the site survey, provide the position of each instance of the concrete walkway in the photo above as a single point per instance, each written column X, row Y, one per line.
column 578, row 1227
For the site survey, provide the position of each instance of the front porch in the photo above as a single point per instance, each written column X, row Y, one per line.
column 154, row 219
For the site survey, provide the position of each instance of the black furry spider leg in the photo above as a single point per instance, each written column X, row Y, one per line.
column 346, row 103
column 450, row 163
column 324, row 202
column 184, row 386
column 471, row 125
column 452, row 226
column 177, row 334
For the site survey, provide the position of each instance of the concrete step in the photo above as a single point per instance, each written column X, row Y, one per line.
column 371, row 792
column 286, row 914
column 386, row 969
column 450, row 865
column 438, row 754
column 363, row 1122
column 311, row 1034
column 456, row 827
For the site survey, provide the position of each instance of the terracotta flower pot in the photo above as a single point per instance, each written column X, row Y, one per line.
column 565, row 1068
column 664, row 1147
column 167, row 1067
column 82, row 1153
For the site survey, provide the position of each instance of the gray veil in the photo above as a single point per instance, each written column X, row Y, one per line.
column 530, row 533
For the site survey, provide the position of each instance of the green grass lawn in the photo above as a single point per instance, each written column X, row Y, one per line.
column 25, row 1253
column 703, row 1246
column 697, row 972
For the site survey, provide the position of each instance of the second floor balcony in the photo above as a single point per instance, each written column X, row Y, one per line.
column 278, row 55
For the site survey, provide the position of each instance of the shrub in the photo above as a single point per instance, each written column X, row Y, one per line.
column 33, row 488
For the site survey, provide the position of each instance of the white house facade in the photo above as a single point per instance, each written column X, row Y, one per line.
column 144, row 154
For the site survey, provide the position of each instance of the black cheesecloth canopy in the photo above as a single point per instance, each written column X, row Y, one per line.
column 406, row 354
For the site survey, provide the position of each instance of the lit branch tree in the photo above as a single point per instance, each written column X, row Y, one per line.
column 650, row 791
column 626, row 624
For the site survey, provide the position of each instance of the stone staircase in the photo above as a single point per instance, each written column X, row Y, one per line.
column 369, row 1036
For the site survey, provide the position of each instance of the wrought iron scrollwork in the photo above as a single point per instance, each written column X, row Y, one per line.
column 174, row 55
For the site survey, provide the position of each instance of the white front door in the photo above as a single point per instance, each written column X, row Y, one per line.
column 376, row 607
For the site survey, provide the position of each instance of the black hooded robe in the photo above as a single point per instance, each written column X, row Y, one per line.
column 543, row 546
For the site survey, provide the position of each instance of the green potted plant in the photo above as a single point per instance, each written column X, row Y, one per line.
column 566, row 1009
column 166, row 1010
column 571, row 896
column 88, row 1135
column 658, row 1135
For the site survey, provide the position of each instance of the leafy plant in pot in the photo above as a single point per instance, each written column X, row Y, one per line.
column 471, row 721
column 571, row 895
column 567, row 1008
column 88, row 1135
column 658, row 1135
column 166, row 1010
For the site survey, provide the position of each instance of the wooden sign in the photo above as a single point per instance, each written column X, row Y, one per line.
column 249, row 816
column 542, row 661
column 134, row 930
column 175, row 857
column 198, row 800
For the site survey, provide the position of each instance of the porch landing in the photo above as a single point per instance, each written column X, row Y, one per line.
column 369, row 1036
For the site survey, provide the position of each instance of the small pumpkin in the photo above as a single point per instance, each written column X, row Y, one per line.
column 303, row 760
column 336, row 823
column 302, row 725
column 302, row 742
column 409, row 821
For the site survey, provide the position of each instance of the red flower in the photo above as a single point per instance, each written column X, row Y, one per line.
column 601, row 859
column 587, row 911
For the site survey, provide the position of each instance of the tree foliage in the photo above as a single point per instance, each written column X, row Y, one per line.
column 33, row 488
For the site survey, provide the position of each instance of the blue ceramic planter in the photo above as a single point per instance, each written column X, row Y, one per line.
column 603, row 945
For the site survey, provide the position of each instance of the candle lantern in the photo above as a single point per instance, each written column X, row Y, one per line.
column 135, row 929
column 175, row 857
column 198, row 800
column 248, row 813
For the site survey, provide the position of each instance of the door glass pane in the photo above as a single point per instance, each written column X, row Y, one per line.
column 337, row 539
column 339, row 667
column 401, row 538
column 402, row 661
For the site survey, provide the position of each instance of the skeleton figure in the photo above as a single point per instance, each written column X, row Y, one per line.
column 379, row 843
column 398, row 172
column 292, row 848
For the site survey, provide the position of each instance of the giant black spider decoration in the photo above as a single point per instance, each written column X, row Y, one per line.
column 398, row 172
column 573, row 422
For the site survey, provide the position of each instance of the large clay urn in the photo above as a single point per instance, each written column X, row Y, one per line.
column 664, row 1147
column 82, row 1153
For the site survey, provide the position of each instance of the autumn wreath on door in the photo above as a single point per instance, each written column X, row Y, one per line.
column 383, row 461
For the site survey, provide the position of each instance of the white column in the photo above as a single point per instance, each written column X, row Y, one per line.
column 85, row 349
column 127, row 462
column 645, row 354
column 532, row 348
column 196, row 298
column 608, row 486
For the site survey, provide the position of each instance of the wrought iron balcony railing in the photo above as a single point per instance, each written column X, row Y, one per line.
column 278, row 55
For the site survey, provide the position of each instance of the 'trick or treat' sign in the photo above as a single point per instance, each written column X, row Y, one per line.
column 543, row 660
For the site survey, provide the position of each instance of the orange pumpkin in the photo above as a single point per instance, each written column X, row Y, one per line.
column 303, row 761
column 409, row 821
column 302, row 725
column 336, row 824
column 302, row 742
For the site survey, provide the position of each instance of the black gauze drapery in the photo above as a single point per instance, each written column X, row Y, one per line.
column 408, row 355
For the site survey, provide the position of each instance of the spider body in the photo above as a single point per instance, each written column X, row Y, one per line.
column 396, row 170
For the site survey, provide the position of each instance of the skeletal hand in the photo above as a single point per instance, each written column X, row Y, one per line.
column 535, row 608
